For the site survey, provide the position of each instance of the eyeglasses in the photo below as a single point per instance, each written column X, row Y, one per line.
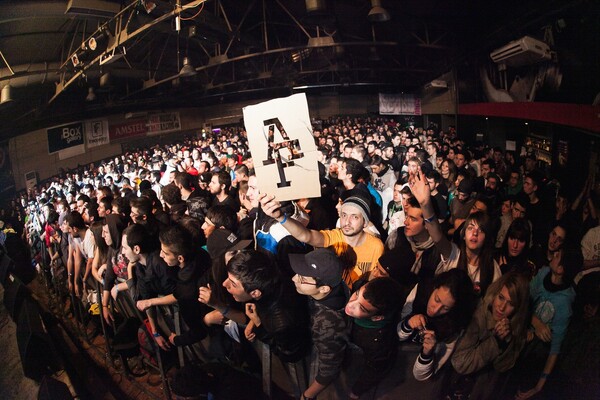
column 303, row 281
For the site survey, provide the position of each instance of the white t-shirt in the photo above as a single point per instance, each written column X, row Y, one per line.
column 88, row 245
column 474, row 273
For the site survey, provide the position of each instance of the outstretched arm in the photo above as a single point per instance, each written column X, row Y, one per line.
column 420, row 189
column 272, row 208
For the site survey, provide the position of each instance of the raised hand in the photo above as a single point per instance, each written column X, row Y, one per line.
column 420, row 188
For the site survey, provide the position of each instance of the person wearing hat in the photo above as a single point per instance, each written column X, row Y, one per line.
column 359, row 249
column 319, row 277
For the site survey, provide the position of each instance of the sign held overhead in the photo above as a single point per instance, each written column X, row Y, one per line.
column 283, row 148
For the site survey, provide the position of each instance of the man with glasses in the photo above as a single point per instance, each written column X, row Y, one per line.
column 319, row 277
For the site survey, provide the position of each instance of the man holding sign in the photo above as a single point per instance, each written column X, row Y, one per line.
column 358, row 249
column 283, row 148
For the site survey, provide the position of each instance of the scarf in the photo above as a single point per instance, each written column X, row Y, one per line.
column 418, row 249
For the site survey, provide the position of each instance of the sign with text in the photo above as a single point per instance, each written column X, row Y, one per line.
column 163, row 123
column 283, row 148
column 128, row 130
column 399, row 104
column 96, row 133
column 65, row 136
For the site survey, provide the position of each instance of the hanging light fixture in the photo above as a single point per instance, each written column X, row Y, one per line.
column 187, row 69
column 378, row 13
column 91, row 96
column 6, row 94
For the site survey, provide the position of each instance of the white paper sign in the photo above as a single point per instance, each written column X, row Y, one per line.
column 283, row 149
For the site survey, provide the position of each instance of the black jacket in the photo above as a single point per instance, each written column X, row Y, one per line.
column 189, row 280
column 284, row 323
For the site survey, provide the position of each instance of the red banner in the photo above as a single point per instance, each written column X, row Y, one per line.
column 128, row 129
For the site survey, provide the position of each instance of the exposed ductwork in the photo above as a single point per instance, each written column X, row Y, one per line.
column 29, row 74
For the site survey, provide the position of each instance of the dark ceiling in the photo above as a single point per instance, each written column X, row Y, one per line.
column 243, row 49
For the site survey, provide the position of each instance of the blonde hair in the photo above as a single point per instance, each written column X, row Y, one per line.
column 518, row 289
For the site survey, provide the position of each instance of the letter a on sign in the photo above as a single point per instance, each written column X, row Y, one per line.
column 283, row 148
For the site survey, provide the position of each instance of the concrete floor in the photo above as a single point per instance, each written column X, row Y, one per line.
column 13, row 383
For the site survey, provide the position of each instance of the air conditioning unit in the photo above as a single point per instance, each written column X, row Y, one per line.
column 93, row 8
column 436, row 84
column 31, row 179
column 525, row 51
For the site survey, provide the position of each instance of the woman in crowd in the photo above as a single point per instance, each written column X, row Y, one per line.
column 494, row 338
column 434, row 315
column 513, row 256
column 448, row 172
column 116, row 263
column 101, row 248
column 476, row 252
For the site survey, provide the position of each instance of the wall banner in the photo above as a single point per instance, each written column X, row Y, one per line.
column 65, row 136
column 399, row 104
column 127, row 130
column 163, row 123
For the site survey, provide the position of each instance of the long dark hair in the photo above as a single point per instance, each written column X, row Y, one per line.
column 96, row 229
column 520, row 230
column 486, row 254
column 449, row 325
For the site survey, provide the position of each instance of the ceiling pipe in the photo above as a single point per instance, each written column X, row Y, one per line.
column 30, row 74
column 39, row 74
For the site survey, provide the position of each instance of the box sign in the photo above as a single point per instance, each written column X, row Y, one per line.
column 65, row 136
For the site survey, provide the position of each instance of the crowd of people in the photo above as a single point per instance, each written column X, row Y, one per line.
column 468, row 262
